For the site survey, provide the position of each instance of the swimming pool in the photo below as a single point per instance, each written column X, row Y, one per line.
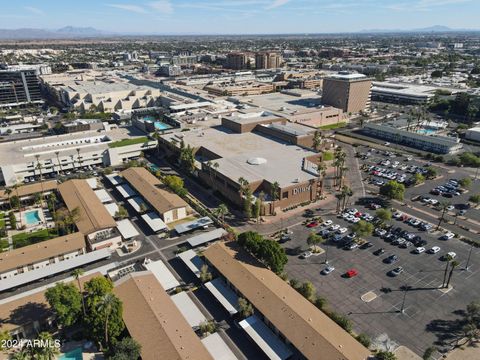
column 32, row 217
column 75, row 354
column 161, row 125
column 426, row 131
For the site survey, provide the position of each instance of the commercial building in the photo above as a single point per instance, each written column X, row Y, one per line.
column 290, row 316
column 63, row 153
column 269, row 155
column 40, row 255
column 429, row 143
column 399, row 93
column 473, row 134
column 237, row 61
column 235, row 89
column 169, row 206
column 93, row 220
column 153, row 319
column 81, row 125
column 347, row 91
column 19, row 87
column 268, row 60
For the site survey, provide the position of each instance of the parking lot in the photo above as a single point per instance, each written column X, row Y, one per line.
column 425, row 304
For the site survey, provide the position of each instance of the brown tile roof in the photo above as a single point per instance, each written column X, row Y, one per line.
column 44, row 250
column 312, row 332
column 155, row 321
column 30, row 189
column 148, row 186
column 21, row 311
column 93, row 214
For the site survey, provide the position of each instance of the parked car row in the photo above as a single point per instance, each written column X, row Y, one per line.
column 422, row 225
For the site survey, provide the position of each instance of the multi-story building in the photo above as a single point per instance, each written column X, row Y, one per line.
column 268, row 60
column 19, row 87
column 435, row 144
column 237, row 61
column 346, row 91
column 169, row 70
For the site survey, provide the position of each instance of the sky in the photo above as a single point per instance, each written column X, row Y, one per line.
column 239, row 16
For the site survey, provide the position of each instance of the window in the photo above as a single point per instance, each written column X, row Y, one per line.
column 285, row 195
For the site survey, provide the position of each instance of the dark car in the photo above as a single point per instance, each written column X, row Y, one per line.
column 391, row 259
column 366, row 245
column 379, row 252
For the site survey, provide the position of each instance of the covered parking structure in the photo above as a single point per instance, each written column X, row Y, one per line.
column 137, row 203
column 189, row 310
column 206, row 237
column 155, row 222
column 114, row 179
column 224, row 295
column 126, row 191
column 162, row 274
column 217, row 347
column 192, row 261
column 193, row 225
column 126, row 229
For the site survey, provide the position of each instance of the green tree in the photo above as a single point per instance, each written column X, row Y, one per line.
column 385, row 355
column 474, row 199
column 173, row 182
column 109, row 315
column 121, row 213
column 222, row 211
column 363, row 228
column 245, row 309
column 317, row 140
column 313, row 240
column 274, row 193
column 207, row 327
column 256, row 209
column 126, row 349
column 465, row 182
column 428, row 354
column 307, row 289
column 418, row 179
column 77, row 274
column 66, row 302
column 364, row 339
column 431, row 172
column 393, row 190
column 384, row 215
column 21, row 354
column 273, row 255
column 46, row 350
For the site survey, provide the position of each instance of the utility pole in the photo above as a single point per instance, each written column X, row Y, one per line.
column 468, row 259
column 405, row 288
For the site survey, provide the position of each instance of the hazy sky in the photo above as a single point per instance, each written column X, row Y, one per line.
column 239, row 16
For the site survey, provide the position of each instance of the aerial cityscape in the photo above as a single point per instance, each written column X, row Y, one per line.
column 245, row 179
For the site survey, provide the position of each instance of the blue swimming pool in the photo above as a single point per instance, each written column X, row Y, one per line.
column 161, row 125
column 32, row 217
column 426, row 131
column 75, row 354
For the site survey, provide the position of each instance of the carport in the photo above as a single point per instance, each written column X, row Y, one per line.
column 192, row 225
column 192, row 261
column 136, row 202
column 189, row 310
column 126, row 229
column 154, row 222
column 162, row 274
column 114, row 179
column 126, row 191
column 206, row 237
column 223, row 294
column 217, row 347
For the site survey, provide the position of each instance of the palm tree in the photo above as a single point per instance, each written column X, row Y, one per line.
column 340, row 196
column 443, row 206
column 59, row 163
column 343, row 170
column 274, row 193
column 39, row 168
column 322, row 172
column 8, row 192
column 317, row 140
column 453, row 265
column 347, row 193
column 106, row 304
column 48, row 352
column 73, row 217
column 77, row 273
column 221, row 211
column 79, row 159
column 21, row 354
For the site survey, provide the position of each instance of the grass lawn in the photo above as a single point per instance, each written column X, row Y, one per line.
column 24, row 239
column 126, row 142
column 333, row 126
column 327, row 156
column 2, row 220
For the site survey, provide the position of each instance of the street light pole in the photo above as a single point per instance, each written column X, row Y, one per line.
column 405, row 288
column 468, row 259
column 326, row 255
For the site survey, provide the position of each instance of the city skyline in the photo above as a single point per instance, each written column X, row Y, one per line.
column 232, row 17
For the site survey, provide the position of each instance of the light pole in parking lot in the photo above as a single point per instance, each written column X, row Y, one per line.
column 468, row 259
column 405, row 288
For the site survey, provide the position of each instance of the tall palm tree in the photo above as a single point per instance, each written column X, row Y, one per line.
column 77, row 273
column 221, row 211
column 59, row 163
column 347, row 193
column 8, row 192
column 48, row 352
column 21, row 354
column 322, row 172
column 261, row 197
column 274, row 193
column 453, row 265
column 443, row 206
column 340, row 196
column 343, row 171
column 106, row 304
column 79, row 158
column 39, row 168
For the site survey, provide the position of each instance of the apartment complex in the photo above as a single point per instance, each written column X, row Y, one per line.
column 237, row 61
column 19, row 87
column 347, row 91
column 286, row 312
column 434, row 144
column 268, row 60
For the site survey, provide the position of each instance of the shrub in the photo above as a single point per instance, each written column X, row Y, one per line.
column 342, row 320
column 364, row 339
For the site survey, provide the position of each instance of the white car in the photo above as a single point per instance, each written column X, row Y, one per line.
column 397, row 215
column 355, row 220
column 342, row 230
column 433, row 201
column 419, row 250
column 449, row 235
column 380, row 232
column 350, row 218
column 434, row 250
column 451, row 255
column 451, row 208
column 328, row 223
column 345, row 216
column 334, row 227
column 306, row 255
column 328, row 270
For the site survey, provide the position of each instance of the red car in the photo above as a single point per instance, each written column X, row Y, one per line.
column 351, row 273
column 312, row 224
column 358, row 214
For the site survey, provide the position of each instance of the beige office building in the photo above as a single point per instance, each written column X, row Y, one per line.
column 346, row 91
column 237, row 61
column 268, row 60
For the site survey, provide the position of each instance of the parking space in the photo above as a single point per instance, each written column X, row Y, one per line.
column 381, row 291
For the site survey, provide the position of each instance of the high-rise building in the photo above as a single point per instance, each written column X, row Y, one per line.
column 237, row 61
column 268, row 60
column 19, row 87
column 347, row 91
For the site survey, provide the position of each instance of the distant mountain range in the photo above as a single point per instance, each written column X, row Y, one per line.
column 430, row 29
column 66, row 32
column 71, row 32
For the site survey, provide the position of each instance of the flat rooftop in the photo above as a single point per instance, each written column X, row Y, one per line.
column 283, row 162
